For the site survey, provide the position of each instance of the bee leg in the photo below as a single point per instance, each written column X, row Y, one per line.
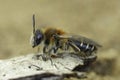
column 45, row 49
column 37, row 55
column 89, row 60
column 45, row 55
column 81, row 54
column 54, row 49
column 52, row 52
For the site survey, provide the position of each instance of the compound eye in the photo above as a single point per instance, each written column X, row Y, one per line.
column 38, row 38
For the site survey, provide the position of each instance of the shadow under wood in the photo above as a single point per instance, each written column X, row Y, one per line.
column 46, row 76
column 87, row 63
column 101, row 67
column 50, row 76
column 104, row 67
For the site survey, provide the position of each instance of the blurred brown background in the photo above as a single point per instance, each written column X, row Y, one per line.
column 95, row 19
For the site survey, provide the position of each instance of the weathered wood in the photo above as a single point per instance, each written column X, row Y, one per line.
column 29, row 68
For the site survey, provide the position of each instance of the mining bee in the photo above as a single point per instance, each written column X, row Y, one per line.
column 55, row 39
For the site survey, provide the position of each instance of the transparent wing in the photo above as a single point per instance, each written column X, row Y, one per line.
column 78, row 38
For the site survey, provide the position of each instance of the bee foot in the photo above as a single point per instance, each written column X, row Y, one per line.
column 37, row 56
column 45, row 57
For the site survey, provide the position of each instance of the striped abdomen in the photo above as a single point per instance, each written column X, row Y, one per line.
column 86, row 47
column 83, row 47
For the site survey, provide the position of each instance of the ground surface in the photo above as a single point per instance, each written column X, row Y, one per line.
column 95, row 19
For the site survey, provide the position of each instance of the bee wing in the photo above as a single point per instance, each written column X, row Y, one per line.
column 78, row 38
column 63, row 36
column 85, row 40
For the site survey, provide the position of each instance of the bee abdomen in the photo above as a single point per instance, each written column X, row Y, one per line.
column 86, row 47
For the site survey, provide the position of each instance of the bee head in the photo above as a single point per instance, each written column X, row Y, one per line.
column 37, row 38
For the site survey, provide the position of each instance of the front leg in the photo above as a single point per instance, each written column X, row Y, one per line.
column 46, row 50
column 45, row 55
column 50, row 52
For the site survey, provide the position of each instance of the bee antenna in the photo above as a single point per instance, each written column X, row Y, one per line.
column 33, row 19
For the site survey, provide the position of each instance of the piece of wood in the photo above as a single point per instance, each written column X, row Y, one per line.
column 29, row 68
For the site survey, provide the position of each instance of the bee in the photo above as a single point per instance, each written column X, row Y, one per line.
column 55, row 39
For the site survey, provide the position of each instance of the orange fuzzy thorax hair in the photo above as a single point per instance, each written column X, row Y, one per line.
column 49, row 32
